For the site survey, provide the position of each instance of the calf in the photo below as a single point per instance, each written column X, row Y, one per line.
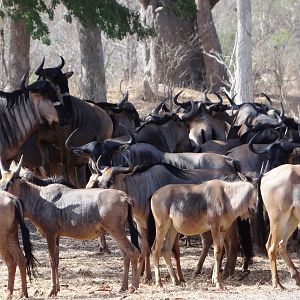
column 197, row 208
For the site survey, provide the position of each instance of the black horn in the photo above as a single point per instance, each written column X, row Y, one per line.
column 191, row 113
column 61, row 65
column 23, row 80
column 40, row 68
column 123, row 101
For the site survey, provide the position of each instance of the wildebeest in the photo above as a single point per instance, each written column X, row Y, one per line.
column 280, row 191
column 92, row 121
column 58, row 210
column 192, row 209
column 140, row 184
column 11, row 214
column 26, row 110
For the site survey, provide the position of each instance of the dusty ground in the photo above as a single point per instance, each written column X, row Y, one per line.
column 86, row 274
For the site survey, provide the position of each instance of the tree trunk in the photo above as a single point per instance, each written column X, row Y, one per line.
column 244, row 76
column 173, row 57
column 19, row 46
column 93, row 85
column 215, row 72
column 4, row 71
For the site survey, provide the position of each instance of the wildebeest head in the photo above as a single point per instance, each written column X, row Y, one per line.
column 55, row 75
column 45, row 100
column 9, row 181
column 279, row 151
column 99, row 151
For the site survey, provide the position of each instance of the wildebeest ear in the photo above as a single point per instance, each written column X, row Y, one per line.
column 68, row 74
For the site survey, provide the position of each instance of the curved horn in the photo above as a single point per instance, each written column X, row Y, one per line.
column 123, row 101
column 115, row 170
column 191, row 113
column 268, row 98
column 231, row 100
column 261, row 150
column 156, row 110
column 18, row 169
column 68, row 140
column 282, row 110
column 220, row 98
column 206, row 99
column 61, row 65
column 116, row 142
column 40, row 68
column 184, row 104
column 23, row 80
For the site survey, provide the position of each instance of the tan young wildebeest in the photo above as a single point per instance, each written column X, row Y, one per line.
column 57, row 210
column 11, row 215
column 280, row 191
column 192, row 209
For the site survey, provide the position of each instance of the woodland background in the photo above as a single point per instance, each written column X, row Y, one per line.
column 275, row 49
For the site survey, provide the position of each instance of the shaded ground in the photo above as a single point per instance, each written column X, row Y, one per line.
column 85, row 274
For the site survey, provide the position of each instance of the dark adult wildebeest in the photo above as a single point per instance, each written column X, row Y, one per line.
column 57, row 210
column 92, row 121
column 140, row 185
column 26, row 110
column 11, row 214
column 192, row 209
column 280, row 191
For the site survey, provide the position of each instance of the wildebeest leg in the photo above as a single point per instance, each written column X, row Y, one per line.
column 18, row 259
column 57, row 263
column 161, row 231
column 126, row 263
column 131, row 254
column 144, row 259
column 102, row 245
column 176, row 253
column 206, row 243
column 11, row 267
column 272, row 246
column 53, row 261
column 167, row 253
column 282, row 249
column 231, row 251
column 218, row 240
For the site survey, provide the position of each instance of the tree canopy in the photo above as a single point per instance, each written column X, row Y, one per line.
column 115, row 19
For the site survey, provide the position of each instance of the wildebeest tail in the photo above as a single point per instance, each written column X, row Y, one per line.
column 134, row 234
column 246, row 241
column 151, row 229
column 259, row 221
column 27, row 245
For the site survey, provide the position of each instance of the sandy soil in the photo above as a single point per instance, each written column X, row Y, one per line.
column 86, row 274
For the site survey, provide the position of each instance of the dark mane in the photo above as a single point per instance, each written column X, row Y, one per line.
column 30, row 177
column 14, row 98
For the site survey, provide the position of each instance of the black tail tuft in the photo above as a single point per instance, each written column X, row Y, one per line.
column 134, row 234
column 259, row 221
column 245, row 237
column 151, row 229
column 27, row 245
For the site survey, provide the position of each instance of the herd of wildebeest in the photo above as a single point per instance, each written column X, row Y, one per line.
column 224, row 170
